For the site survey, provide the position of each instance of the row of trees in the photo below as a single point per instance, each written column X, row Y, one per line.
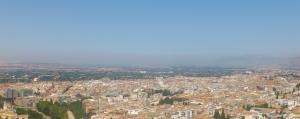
column 217, row 115
column 164, row 92
column 1, row 101
column 171, row 101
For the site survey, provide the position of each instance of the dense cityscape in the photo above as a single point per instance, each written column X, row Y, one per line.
column 28, row 91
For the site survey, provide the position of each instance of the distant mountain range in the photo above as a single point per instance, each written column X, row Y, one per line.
column 294, row 62
column 257, row 61
column 227, row 62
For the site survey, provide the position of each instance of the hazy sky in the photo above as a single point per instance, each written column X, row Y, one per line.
column 147, row 31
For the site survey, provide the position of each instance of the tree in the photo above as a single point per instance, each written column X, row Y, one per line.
column 274, row 89
column 34, row 115
column 216, row 114
column 294, row 90
column 248, row 107
column 166, row 101
column 298, row 86
column 222, row 114
column 21, row 111
column 166, row 93
column 1, row 102
column 277, row 95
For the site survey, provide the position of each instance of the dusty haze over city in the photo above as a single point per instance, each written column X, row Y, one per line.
column 150, row 59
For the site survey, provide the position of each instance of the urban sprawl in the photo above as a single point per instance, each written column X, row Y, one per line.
column 142, row 94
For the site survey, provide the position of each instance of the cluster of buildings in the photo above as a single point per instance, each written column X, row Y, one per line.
column 7, row 112
column 250, row 95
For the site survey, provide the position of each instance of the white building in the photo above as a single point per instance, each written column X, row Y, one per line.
column 188, row 114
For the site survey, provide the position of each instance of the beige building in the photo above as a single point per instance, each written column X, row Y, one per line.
column 11, row 115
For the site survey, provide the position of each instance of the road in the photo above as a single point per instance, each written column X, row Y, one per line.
column 70, row 115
